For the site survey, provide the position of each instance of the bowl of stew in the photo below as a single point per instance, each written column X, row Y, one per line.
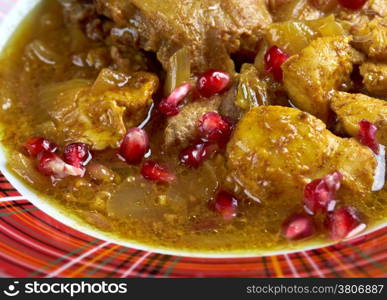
column 237, row 128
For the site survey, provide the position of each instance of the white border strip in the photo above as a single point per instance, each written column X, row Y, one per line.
column 8, row 199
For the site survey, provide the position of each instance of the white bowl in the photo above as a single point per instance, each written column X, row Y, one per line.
column 7, row 28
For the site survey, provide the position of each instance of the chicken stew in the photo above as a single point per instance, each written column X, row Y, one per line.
column 206, row 125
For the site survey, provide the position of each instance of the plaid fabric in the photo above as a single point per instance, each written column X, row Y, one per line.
column 32, row 244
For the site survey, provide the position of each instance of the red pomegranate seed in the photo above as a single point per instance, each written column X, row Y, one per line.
column 52, row 165
column 274, row 58
column 214, row 128
column 152, row 170
column 226, row 204
column 213, row 82
column 77, row 154
column 319, row 195
column 343, row 223
column 352, row 4
column 37, row 145
column 195, row 155
column 367, row 135
column 298, row 226
column 134, row 146
column 170, row 106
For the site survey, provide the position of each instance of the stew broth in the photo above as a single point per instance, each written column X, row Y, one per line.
column 113, row 196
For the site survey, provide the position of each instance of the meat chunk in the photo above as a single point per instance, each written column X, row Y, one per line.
column 353, row 108
column 323, row 66
column 275, row 151
column 371, row 38
column 182, row 129
column 375, row 78
column 211, row 29
column 97, row 113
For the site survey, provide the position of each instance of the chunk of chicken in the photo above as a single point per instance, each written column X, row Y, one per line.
column 97, row 114
column 275, row 151
column 210, row 29
column 375, row 77
column 323, row 66
column 353, row 108
column 182, row 129
column 371, row 38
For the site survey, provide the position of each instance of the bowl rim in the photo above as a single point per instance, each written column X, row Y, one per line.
column 8, row 27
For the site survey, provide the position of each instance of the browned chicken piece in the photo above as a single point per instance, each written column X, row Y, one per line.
column 353, row 108
column 97, row 113
column 375, row 77
column 211, row 29
column 275, row 151
column 309, row 77
column 182, row 129
column 371, row 37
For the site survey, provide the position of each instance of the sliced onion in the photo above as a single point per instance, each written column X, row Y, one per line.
column 179, row 70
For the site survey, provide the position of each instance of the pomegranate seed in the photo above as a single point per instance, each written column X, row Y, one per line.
column 214, row 128
column 367, row 135
column 77, row 154
column 352, row 4
column 134, row 146
column 343, row 223
column 195, row 155
column 170, row 106
column 298, row 226
column 226, row 204
column 152, row 170
column 213, row 82
column 319, row 195
column 37, row 145
column 274, row 58
column 52, row 165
